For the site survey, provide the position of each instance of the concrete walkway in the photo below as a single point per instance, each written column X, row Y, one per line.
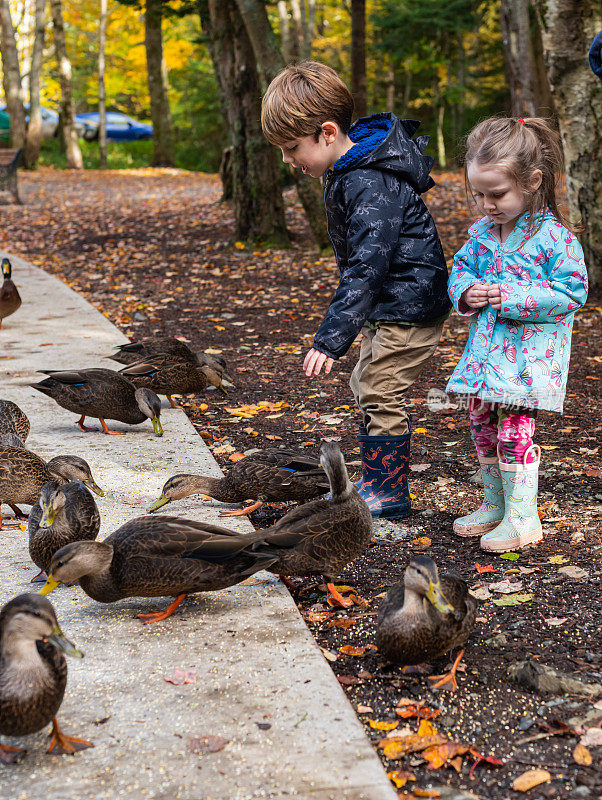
column 256, row 664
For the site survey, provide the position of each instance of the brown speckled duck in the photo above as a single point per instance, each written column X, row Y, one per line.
column 10, row 299
column 167, row 375
column 13, row 420
column 153, row 557
column 104, row 394
column 64, row 513
column 23, row 473
column 270, row 475
column 33, row 674
column 320, row 537
column 424, row 617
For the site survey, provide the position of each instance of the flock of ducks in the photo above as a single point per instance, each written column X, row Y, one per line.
column 423, row 616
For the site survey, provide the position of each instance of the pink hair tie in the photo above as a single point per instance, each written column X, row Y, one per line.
column 521, row 120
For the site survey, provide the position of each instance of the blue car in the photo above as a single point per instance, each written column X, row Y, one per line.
column 120, row 127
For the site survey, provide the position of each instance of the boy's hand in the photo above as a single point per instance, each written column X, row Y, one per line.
column 476, row 296
column 314, row 361
column 495, row 297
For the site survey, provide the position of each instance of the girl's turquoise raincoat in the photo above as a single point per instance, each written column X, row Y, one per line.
column 519, row 356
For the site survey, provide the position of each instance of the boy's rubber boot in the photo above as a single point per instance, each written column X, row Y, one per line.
column 491, row 511
column 521, row 524
column 385, row 468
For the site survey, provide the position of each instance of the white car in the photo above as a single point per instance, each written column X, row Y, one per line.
column 50, row 123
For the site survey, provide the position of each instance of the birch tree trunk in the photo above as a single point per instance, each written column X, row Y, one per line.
column 102, row 105
column 285, row 31
column 157, row 85
column 568, row 27
column 257, row 199
column 11, row 76
column 67, row 127
column 358, row 56
column 269, row 58
column 518, row 56
column 33, row 140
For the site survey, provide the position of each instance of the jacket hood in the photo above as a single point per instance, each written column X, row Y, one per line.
column 385, row 142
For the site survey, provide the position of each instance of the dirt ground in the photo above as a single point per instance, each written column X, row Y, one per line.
column 153, row 250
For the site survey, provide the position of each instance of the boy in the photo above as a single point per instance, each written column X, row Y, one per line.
column 393, row 277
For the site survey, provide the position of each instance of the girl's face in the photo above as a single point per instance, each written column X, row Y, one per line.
column 497, row 195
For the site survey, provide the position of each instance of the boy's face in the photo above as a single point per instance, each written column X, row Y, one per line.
column 310, row 156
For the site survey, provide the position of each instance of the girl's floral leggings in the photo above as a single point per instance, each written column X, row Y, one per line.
column 510, row 427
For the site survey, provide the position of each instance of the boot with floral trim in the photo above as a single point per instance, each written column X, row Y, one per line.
column 491, row 511
column 521, row 524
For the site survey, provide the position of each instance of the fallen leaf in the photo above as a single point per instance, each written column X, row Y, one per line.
column 350, row 650
column 422, row 542
column 318, row 616
column 381, row 726
column 441, row 754
column 361, row 709
column 592, row 738
column 555, row 621
column 557, row 559
column 449, row 444
column 348, row 680
column 419, row 430
column 400, row 778
column 398, row 747
column 426, row 728
column 573, row 572
column 181, row 676
column 481, row 593
column 506, row 586
column 236, row 457
column 531, row 778
column 422, row 712
column 328, row 655
column 486, row 568
column 426, row 793
column 419, row 467
column 582, row 755
column 201, row 745
column 510, row 556
column 513, row 599
column 341, row 622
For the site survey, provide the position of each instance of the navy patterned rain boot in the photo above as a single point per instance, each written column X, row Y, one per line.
column 385, row 467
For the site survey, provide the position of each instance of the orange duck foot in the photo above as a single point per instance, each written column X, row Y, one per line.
column 10, row 755
column 241, row 512
column 157, row 616
column 344, row 602
column 83, row 427
column 106, row 429
column 289, row 584
column 441, row 681
column 61, row 743
column 171, row 402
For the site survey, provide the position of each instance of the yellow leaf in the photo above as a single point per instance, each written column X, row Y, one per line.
column 239, row 245
column 426, row 728
column 382, row 726
column 530, row 778
column 557, row 560
column 400, row 778
column 582, row 755
column 419, row 430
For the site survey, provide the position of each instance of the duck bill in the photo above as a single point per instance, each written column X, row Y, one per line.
column 94, row 487
column 159, row 503
column 436, row 597
column 157, row 426
column 49, row 586
column 60, row 641
column 47, row 518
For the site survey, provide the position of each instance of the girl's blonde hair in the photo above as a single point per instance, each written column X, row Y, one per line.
column 301, row 98
column 519, row 147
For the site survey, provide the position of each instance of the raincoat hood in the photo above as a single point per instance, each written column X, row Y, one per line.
column 385, row 142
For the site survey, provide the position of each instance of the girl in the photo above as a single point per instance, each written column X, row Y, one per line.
column 520, row 278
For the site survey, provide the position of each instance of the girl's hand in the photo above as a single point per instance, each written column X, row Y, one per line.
column 495, row 296
column 476, row 296
column 314, row 361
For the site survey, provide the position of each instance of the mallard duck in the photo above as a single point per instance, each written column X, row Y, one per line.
column 424, row 617
column 33, row 674
column 153, row 557
column 269, row 475
column 167, row 375
column 63, row 513
column 23, row 473
column 13, row 420
column 102, row 393
column 148, row 348
column 320, row 537
column 11, row 440
column 10, row 299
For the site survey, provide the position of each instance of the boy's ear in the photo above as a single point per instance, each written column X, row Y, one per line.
column 330, row 131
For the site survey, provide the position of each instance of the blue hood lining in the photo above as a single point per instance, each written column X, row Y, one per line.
column 368, row 133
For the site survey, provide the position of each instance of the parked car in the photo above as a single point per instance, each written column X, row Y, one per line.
column 50, row 122
column 120, row 127
column 4, row 127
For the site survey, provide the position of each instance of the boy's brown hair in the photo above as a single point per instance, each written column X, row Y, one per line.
column 301, row 98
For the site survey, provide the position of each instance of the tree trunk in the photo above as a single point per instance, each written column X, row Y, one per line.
column 518, row 56
column 441, row 155
column 11, row 76
column 157, row 85
column 34, row 129
column 568, row 27
column 358, row 56
column 390, row 87
column 257, row 199
column 285, row 31
column 269, row 58
column 67, row 126
column 299, row 26
column 102, row 105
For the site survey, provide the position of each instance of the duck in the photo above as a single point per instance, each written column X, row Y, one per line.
column 155, row 557
column 11, row 440
column 320, row 537
column 425, row 616
column 63, row 513
column 23, row 474
column 102, row 393
column 168, row 375
column 33, row 674
column 268, row 475
column 13, row 420
column 152, row 346
column 10, row 299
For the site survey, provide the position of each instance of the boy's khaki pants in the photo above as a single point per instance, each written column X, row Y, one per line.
column 391, row 359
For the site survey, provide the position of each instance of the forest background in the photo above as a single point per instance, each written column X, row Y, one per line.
column 197, row 69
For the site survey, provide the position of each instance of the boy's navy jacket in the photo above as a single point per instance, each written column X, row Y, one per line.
column 388, row 252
